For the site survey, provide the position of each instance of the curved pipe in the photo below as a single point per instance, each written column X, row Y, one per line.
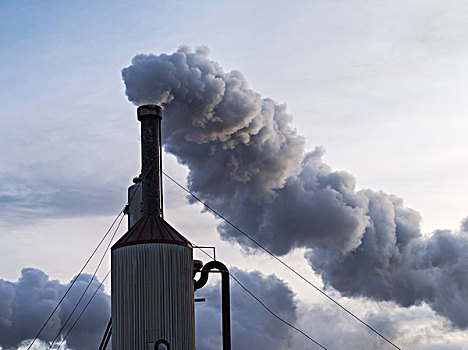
column 206, row 270
column 225, row 297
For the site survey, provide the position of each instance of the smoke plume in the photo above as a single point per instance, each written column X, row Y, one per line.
column 246, row 160
column 27, row 303
column 252, row 326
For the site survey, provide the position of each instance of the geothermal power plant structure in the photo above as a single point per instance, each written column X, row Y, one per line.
column 152, row 264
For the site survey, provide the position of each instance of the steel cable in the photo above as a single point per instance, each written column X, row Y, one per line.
column 88, row 285
column 82, row 311
column 82, row 269
column 74, row 280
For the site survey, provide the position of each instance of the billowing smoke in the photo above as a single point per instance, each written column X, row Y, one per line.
column 245, row 160
column 27, row 303
column 252, row 326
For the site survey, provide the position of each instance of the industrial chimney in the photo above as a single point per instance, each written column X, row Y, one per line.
column 152, row 264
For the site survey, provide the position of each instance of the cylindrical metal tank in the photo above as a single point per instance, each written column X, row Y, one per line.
column 152, row 294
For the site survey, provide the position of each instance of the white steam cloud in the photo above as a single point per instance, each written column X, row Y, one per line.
column 246, row 160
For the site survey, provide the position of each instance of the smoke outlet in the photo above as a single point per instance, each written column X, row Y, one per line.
column 150, row 117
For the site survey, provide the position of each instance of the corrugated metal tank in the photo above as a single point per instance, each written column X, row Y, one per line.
column 152, row 288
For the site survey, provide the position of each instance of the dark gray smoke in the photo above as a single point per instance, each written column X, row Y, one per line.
column 246, row 160
column 27, row 303
column 254, row 328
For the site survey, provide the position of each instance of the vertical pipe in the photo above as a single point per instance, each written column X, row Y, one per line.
column 225, row 297
column 150, row 117
column 226, row 309
column 161, row 206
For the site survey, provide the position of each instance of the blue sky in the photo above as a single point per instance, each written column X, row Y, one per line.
column 381, row 86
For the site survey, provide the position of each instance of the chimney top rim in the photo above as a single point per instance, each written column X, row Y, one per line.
column 149, row 110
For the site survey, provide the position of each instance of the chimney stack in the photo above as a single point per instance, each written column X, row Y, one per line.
column 150, row 117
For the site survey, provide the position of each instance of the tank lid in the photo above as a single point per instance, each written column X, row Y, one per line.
column 151, row 229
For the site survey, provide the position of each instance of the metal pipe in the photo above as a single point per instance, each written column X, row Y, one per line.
column 150, row 117
column 161, row 192
column 225, row 297
column 106, row 336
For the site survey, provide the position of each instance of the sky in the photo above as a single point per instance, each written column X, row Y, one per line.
column 380, row 86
